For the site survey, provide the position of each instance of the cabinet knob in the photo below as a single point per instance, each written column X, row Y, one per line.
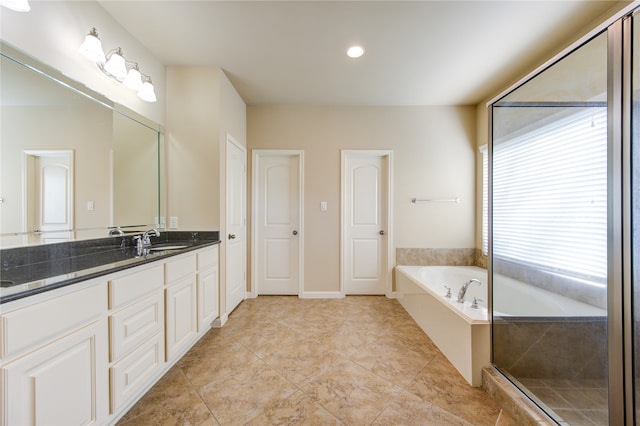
column 381, row 232
column 295, row 232
column 232, row 236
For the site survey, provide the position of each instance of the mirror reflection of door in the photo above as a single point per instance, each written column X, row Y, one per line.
column 49, row 194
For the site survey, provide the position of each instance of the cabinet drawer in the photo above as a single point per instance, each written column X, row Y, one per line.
column 129, row 288
column 208, row 258
column 42, row 322
column 135, row 371
column 179, row 268
column 135, row 324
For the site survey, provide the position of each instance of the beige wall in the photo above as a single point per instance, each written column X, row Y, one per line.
column 203, row 108
column 482, row 138
column 193, row 149
column 135, row 172
column 58, row 129
column 434, row 157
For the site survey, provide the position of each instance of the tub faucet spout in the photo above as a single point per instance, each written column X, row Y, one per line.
column 463, row 289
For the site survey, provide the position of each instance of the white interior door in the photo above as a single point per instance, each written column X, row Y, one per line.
column 49, row 193
column 365, row 219
column 277, row 195
column 235, row 225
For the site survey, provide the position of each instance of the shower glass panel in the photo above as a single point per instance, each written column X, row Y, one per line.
column 635, row 199
column 549, row 236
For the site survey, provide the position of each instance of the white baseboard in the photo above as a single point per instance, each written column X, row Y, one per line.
column 392, row 295
column 220, row 321
column 250, row 295
column 321, row 295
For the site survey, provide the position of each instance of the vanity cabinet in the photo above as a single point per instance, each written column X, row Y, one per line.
column 208, row 287
column 84, row 354
column 136, row 333
column 54, row 360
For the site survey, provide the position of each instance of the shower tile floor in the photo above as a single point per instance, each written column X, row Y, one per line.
column 360, row 360
column 576, row 402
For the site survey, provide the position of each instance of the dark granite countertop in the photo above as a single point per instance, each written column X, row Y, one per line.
column 36, row 269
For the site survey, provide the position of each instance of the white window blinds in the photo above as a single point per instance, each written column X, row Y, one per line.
column 550, row 195
column 485, row 199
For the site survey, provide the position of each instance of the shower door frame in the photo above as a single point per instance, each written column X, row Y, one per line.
column 620, row 320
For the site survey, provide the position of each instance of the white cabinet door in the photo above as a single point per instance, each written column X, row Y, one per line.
column 181, row 309
column 63, row 383
column 207, row 297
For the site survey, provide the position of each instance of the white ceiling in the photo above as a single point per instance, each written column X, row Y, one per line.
column 417, row 52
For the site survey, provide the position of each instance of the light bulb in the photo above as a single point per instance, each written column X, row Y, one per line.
column 17, row 5
column 92, row 47
column 147, row 93
column 355, row 52
column 134, row 79
column 116, row 65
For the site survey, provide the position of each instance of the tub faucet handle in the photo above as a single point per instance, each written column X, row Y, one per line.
column 448, row 295
column 474, row 305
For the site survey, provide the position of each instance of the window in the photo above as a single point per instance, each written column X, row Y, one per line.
column 485, row 200
column 550, row 194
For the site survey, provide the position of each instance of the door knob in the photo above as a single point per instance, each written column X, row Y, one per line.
column 232, row 236
column 381, row 232
column 295, row 232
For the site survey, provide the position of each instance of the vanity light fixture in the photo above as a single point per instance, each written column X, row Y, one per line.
column 114, row 65
column 17, row 5
column 355, row 51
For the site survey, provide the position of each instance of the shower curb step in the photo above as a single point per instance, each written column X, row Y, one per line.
column 512, row 400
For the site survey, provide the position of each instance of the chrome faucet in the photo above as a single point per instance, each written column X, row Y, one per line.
column 144, row 240
column 116, row 232
column 463, row 289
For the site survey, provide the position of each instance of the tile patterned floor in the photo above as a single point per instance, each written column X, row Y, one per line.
column 576, row 402
column 361, row 360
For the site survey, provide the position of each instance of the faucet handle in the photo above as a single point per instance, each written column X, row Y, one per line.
column 474, row 305
column 448, row 295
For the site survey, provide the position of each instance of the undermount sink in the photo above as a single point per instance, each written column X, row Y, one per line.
column 7, row 283
column 159, row 247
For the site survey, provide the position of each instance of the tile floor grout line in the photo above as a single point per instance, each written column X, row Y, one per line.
column 198, row 393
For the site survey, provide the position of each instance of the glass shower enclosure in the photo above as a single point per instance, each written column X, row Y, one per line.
column 562, row 170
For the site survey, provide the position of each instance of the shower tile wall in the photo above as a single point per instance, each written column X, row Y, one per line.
column 437, row 256
column 551, row 348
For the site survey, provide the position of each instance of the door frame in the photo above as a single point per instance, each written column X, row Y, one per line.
column 387, row 157
column 257, row 154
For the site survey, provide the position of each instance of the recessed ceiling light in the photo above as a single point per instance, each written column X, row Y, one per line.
column 355, row 51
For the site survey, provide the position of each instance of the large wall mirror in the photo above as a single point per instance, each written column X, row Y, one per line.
column 72, row 163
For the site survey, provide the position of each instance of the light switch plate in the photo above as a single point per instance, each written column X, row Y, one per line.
column 173, row 222
column 323, row 206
